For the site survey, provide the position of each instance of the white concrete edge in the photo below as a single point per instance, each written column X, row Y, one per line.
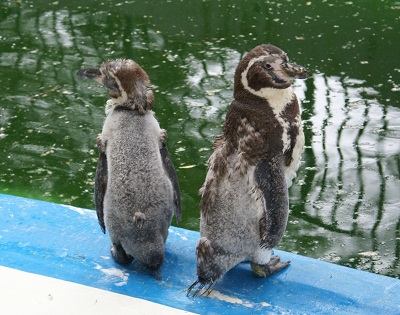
column 26, row 293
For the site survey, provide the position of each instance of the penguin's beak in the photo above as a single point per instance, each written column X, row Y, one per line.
column 294, row 71
column 90, row 73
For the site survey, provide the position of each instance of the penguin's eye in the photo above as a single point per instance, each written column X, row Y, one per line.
column 268, row 66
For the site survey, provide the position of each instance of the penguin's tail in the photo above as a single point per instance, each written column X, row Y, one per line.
column 139, row 218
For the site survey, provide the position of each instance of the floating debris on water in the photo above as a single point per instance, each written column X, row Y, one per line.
column 368, row 254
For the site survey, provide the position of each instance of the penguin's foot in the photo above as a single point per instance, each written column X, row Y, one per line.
column 119, row 254
column 273, row 266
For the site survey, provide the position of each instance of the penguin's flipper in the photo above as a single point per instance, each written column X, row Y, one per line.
column 271, row 181
column 169, row 168
column 100, row 184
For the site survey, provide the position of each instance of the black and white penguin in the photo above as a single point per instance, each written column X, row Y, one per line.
column 136, row 187
column 244, row 205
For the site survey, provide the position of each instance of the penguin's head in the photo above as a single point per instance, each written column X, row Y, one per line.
column 266, row 67
column 126, row 80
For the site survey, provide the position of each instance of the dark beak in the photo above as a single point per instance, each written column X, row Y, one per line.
column 89, row 73
column 295, row 71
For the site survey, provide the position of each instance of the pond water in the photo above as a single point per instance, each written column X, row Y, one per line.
column 345, row 201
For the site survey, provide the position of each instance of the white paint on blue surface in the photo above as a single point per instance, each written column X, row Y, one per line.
column 231, row 299
column 121, row 274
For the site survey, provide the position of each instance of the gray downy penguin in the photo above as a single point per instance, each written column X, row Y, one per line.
column 244, row 205
column 136, row 186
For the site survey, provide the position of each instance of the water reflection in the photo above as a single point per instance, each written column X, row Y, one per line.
column 345, row 200
column 350, row 177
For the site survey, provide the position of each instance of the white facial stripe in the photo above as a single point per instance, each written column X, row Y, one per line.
column 278, row 98
column 261, row 58
column 124, row 96
column 114, row 102
column 252, row 62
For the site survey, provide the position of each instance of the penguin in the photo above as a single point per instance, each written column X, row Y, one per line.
column 136, row 188
column 244, row 199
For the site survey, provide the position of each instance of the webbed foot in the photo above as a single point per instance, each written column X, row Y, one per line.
column 119, row 254
column 273, row 266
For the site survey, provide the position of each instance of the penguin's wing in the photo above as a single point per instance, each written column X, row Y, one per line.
column 100, row 186
column 271, row 181
column 169, row 168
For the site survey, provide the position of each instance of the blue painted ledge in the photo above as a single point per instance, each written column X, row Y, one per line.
column 66, row 243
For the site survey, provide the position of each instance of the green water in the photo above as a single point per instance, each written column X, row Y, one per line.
column 345, row 201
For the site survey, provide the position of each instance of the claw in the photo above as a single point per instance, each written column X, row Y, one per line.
column 208, row 290
column 191, row 287
column 196, row 293
column 199, row 290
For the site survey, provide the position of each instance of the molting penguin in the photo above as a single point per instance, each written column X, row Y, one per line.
column 136, row 187
column 244, row 205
